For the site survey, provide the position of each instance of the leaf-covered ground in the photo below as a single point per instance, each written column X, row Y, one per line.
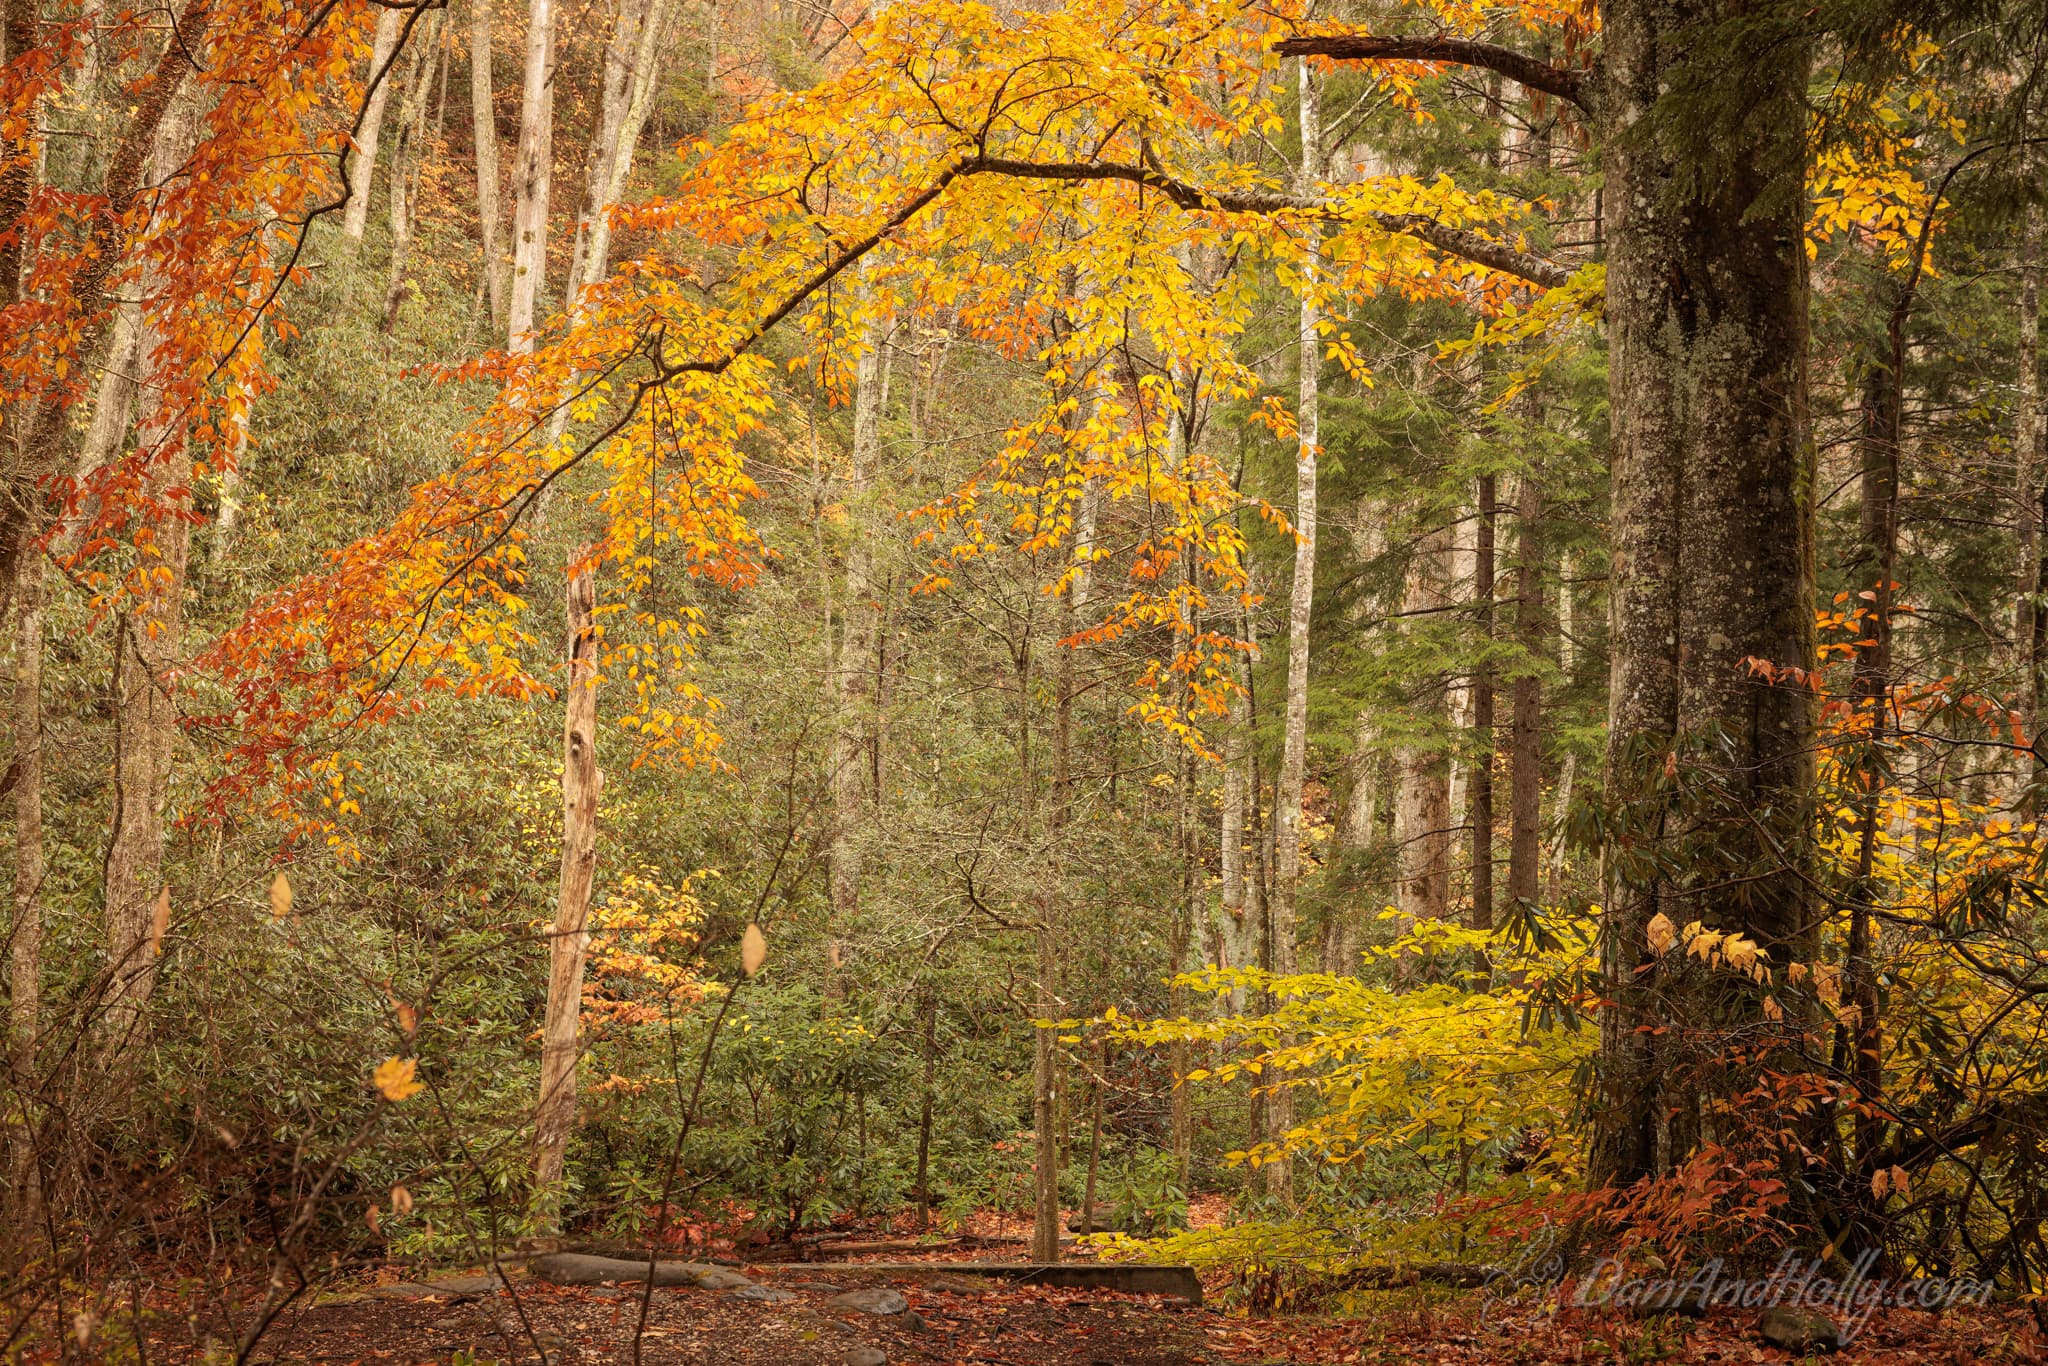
column 968, row 1321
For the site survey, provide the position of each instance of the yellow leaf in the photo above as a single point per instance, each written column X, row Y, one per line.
column 753, row 950
column 394, row 1078
column 280, row 896
column 1663, row 934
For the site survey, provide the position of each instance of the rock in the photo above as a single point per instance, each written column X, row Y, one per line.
column 577, row 1268
column 1799, row 1330
column 823, row 1287
column 761, row 1294
column 915, row 1322
column 953, row 1285
column 866, row 1356
column 1104, row 1219
column 718, row 1278
column 878, row 1299
column 450, row 1287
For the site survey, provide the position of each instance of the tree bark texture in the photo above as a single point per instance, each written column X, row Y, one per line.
column 1279, row 1174
column 484, row 129
column 362, row 163
column 555, row 1115
column 1712, row 509
column 533, row 173
column 1481, row 917
column 1525, row 727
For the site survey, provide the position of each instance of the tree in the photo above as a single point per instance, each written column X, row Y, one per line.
column 1706, row 293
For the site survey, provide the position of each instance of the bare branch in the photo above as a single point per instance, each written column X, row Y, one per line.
column 1562, row 82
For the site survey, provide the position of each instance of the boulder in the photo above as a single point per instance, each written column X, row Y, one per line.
column 873, row 1299
column 448, row 1287
column 866, row 1356
column 1799, row 1330
column 577, row 1268
column 718, row 1278
column 761, row 1294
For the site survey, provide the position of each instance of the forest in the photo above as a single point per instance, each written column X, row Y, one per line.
column 1147, row 681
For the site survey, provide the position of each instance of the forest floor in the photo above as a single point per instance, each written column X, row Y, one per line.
column 786, row 1305
column 948, row 1320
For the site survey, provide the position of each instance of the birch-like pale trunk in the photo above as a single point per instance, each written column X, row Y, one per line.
column 405, row 163
column 1279, row 1173
column 560, row 1049
column 362, row 163
column 533, row 172
column 633, row 63
column 484, row 129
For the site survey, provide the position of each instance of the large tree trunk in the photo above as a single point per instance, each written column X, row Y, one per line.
column 533, row 173
column 1712, row 541
column 484, row 126
column 362, row 166
column 555, row 1115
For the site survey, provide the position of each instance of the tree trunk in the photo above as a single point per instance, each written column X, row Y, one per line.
column 860, row 619
column 533, row 173
column 1482, row 715
column 1279, row 1175
column 484, row 126
column 1567, row 657
column 1712, row 539
column 555, row 1114
column 19, row 1202
column 405, row 162
column 149, row 639
column 1861, row 1056
column 1422, row 799
column 25, row 942
column 362, row 165
column 2030, row 453
column 631, row 74
column 1525, row 742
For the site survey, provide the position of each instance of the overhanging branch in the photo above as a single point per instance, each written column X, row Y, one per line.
column 1457, row 242
column 1562, row 82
